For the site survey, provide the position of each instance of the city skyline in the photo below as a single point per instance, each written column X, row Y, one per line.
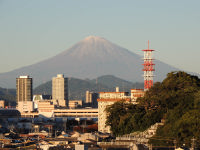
column 36, row 30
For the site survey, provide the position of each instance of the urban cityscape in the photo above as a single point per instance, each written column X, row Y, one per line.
column 40, row 121
column 98, row 95
column 45, row 121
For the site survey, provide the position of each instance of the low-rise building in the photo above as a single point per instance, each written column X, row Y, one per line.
column 109, row 98
column 46, row 108
column 113, row 95
column 49, row 110
column 2, row 104
column 136, row 93
column 40, row 97
column 75, row 103
column 102, row 104
column 106, row 99
column 25, row 106
column 59, row 103
column 76, row 113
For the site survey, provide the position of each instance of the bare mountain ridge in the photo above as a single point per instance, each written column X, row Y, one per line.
column 89, row 58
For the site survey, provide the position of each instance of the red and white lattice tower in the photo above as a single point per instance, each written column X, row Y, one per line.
column 149, row 68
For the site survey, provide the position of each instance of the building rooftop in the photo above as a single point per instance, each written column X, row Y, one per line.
column 113, row 92
column 112, row 99
column 27, row 76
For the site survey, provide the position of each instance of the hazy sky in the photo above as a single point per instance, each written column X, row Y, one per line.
column 34, row 30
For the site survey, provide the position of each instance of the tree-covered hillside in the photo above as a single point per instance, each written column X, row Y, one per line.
column 176, row 100
column 78, row 87
column 9, row 95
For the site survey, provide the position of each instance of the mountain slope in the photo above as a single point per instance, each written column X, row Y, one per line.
column 112, row 81
column 89, row 58
column 78, row 87
column 9, row 95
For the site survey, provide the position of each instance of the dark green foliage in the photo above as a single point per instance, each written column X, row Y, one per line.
column 124, row 117
column 9, row 95
column 112, row 81
column 180, row 93
column 176, row 100
column 45, row 88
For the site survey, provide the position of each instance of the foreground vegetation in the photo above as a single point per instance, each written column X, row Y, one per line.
column 176, row 100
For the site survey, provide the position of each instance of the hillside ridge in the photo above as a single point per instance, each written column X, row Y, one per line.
column 90, row 58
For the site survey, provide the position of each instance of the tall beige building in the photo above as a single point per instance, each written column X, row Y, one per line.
column 91, row 99
column 60, row 90
column 24, row 93
column 88, row 97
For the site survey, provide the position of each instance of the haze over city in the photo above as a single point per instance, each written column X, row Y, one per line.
column 32, row 31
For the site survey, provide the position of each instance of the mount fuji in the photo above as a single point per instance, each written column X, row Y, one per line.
column 90, row 58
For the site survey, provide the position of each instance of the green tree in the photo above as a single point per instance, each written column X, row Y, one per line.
column 176, row 99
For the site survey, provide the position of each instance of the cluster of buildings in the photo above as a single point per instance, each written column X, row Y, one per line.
column 50, row 106
column 24, row 94
column 32, row 111
column 109, row 98
column 58, row 105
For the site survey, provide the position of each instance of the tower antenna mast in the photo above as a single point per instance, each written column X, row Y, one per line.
column 149, row 68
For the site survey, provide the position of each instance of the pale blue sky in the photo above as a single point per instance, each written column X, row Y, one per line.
column 34, row 30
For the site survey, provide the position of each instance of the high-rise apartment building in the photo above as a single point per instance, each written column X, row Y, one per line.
column 24, row 88
column 88, row 97
column 24, row 93
column 60, row 90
